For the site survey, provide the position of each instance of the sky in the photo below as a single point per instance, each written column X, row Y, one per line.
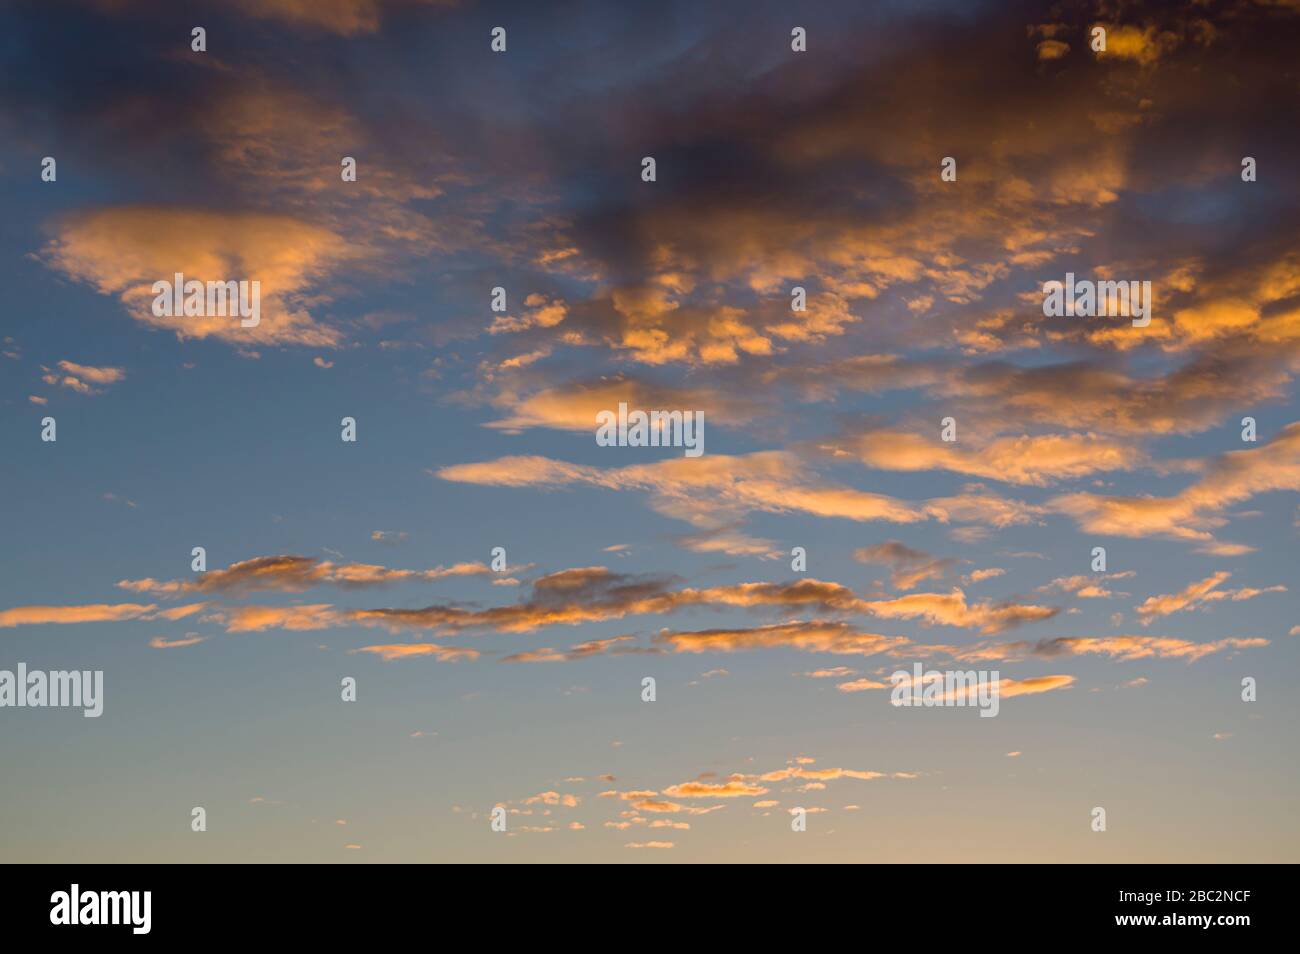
column 495, row 585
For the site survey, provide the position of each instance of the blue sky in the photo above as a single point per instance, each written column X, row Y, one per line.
column 821, row 169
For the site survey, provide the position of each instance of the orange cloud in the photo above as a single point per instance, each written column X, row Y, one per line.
column 293, row 574
column 910, row 566
column 1051, row 49
column 252, row 619
column 951, row 609
column 1086, row 586
column 592, row 647
column 160, row 642
column 1196, row 595
column 590, row 594
column 1006, row 687
column 1032, row 686
column 1122, row 648
column 122, row 251
column 394, row 651
column 828, row 774
column 861, row 685
column 814, row 636
column 1136, row 647
column 1144, row 45
column 89, row 613
column 1194, row 513
column 1030, row 460
column 657, row 805
column 730, row 789
column 84, row 379
column 715, row 490
column 574, row 406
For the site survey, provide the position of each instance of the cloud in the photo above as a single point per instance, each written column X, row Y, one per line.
column 84, row 379
column 254, row 619
column 1086, row 586
column 910, row 566
column 1096, row 395
column 730, row 541
column 1248, row 305
column 1007, row 687
column 715, row 490
column 1030, row 460
column 834, row 672
column 584, row 650
column 733, row 788
column 1196, row 596
column 860, row 685
column 570, row 597
column 707, row 793
column 819, row 774
column 770, row 481
column 657, row 805
column 122, row 251
column 89, row 613
column 344, row 17
column 1193, row 513
column 574, row 406
column 173, row 613
column 1034, row 685
column 568, row 800
column 593, row 594
column 813, row 636
column 542, row 313
column 1051, row 49
column 292, row 574
column 1192, row 594
column 161, row 642
column 1122, row 648
column 1143, row 44
column 395, row 651
column 951, row 609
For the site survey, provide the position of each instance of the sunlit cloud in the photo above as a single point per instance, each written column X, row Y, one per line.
column 1194, row 513
column 293, row 574
column 395, row 651
column 89, row 613
column 1197, row 595
column 123, row 251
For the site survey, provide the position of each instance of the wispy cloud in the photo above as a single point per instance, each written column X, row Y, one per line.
column 1198, row 595
column 292, row 574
